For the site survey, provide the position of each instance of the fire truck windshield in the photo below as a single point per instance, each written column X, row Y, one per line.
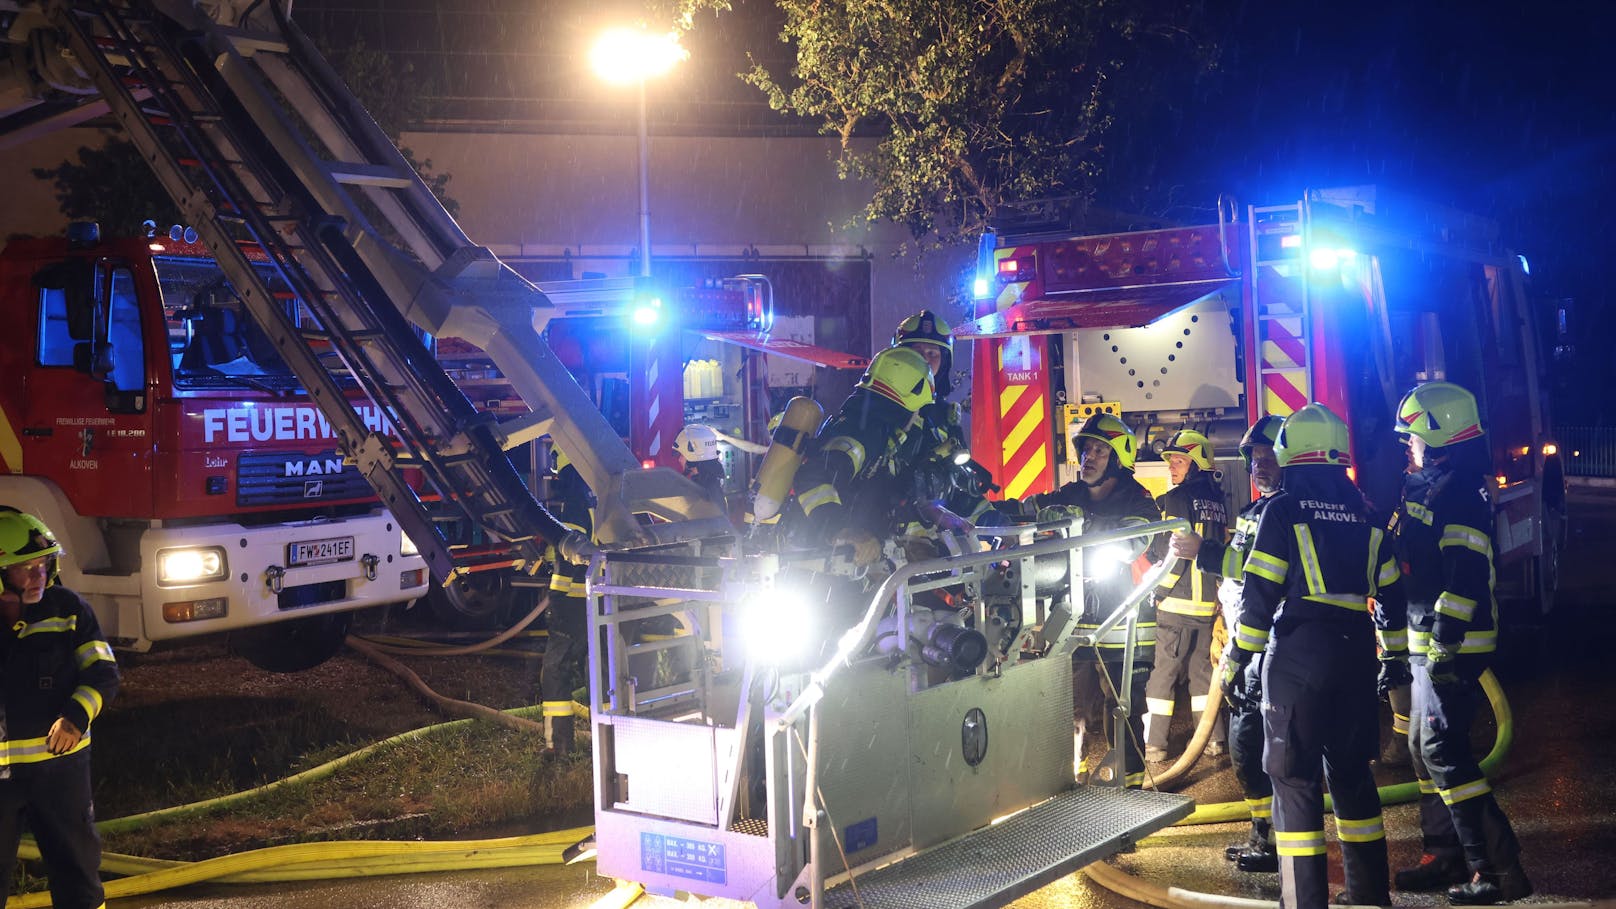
column 212, row 340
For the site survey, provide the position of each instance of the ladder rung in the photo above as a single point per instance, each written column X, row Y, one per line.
column 368, row 175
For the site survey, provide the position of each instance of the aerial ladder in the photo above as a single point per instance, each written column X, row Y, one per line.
column 267, row 154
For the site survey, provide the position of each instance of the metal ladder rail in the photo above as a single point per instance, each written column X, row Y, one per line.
column 1269, row 315
column 232, row 201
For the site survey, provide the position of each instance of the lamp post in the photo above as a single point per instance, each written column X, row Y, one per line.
column 624, row 56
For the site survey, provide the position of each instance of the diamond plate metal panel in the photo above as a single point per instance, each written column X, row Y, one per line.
column 669, row 767
column 997, row 864
column 1028, row 727
column 863, row 750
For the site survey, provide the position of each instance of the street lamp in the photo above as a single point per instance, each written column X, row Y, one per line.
column 625, row 56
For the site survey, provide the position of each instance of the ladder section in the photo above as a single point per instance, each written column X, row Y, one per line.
column 1279, row 306
column 270, row 157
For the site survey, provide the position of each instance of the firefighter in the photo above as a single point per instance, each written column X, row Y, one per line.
column 58, row 675
column 1444, row 537
column 697, row 445
column 1108, row 498
column 1314, row 565
column 848, row 486
column 567, row 640
column 1186, row 603
column 1228, row 561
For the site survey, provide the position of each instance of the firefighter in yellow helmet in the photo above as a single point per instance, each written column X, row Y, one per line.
column 1186, row 598
column 1245, row 697
column 849, row 484
column 60, row 674
column 1108, row 498
column 1444, row 535
column 1316, row 562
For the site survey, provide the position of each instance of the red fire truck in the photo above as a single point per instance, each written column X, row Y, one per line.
column 1348, row 297
column 196, row 489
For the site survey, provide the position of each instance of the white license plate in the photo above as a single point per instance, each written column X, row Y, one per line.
column 318, row 552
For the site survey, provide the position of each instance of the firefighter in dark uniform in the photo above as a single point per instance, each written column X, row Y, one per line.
column 1305, row 605
column 1186, row 598
column 58, row 675
column 853, row 479
column 1109, row 498
column 1444, row 537
column 566, row 644
column 1245, row 699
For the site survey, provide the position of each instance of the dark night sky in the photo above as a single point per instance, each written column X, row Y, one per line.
column 1506, row 109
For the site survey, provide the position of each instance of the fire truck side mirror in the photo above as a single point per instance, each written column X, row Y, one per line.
column 75, row 278
column 95, row 358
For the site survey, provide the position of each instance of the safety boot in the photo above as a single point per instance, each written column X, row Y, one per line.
column 1264, row 859
column 1489, row 888
column 1435, row 871
column 1345, row 899
column 558, row 733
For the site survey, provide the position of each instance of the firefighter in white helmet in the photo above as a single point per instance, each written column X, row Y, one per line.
column 698, row 448
column 1186, row 598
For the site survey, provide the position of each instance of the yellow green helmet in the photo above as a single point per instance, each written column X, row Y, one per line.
column 1113, row 432
column 24, row 538
column 924, row 327
column 1441, row 413
column 901, row 375
column 1191, row 444
column 1313, row 435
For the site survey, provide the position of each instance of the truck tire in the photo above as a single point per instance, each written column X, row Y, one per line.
column 294, row 645
column 480, row 601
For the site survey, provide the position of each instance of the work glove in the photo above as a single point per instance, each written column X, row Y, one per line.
column 1232, row 674
column 865, row 547
column 1394, row 673
column 1441, row 664
column 1058, row 513
column 63, row 736
column 576, row 548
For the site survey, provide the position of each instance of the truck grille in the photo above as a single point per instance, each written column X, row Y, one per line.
column 296, row 478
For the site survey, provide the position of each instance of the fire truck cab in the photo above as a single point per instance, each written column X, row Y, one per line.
column 1347, row 296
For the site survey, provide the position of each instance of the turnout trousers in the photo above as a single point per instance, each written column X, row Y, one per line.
column 54, row 795
column 1183, row 654
column 1093, row 700
column 1457, row 809
column 1246, row 748
column 565, row 649
column 1321, row 722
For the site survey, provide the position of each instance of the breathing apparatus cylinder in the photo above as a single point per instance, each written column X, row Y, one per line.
column 772, row 484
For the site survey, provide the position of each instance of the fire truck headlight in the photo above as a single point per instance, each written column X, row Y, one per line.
column 1326, row 258
column 191, row 565
column 776, row 627
column 406, row 546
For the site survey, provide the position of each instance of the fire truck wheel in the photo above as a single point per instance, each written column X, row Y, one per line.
column 295, row 645
column 480, row 602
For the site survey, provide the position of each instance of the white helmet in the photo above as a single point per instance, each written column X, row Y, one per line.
column 697, row 442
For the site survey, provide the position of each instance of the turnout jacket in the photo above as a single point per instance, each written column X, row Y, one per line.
column 1444, row 537
column 54, row 663
column 1109, row 579
column 1228, row 560
column 850, row 476
column 1317, row 558
column 1190, row 590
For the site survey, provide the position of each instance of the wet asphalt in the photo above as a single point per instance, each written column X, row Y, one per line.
column 1558, row 786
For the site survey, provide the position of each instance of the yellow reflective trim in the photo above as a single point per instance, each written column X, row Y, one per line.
column 1249, row 638
column 1375, row 537
column 1198, row 703
column 1366, row 830
column 1159, row 706
column 1466, row 537
column 823, row 494
column 44, row 626
column 1427, row 787
column 853, row 448
column 1312, row 574
column 90, row 699
column 560, row 583
column 1266, row 566
column 1307, row 842
column 93, row 651
column 32, row 751
column 1451, row 604
column 1466, row 791
column 1184, row 606
column 1393, row 641
column 1168, row 581
column 1261, row 808
column 1390, row 572
column 1347, row 601
column 1399, row 723
column 557, row 708
column 1420, row 513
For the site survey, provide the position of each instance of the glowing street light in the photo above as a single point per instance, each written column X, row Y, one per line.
column 624, row 56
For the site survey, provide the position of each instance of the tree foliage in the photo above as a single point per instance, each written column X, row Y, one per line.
column 973, row 105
